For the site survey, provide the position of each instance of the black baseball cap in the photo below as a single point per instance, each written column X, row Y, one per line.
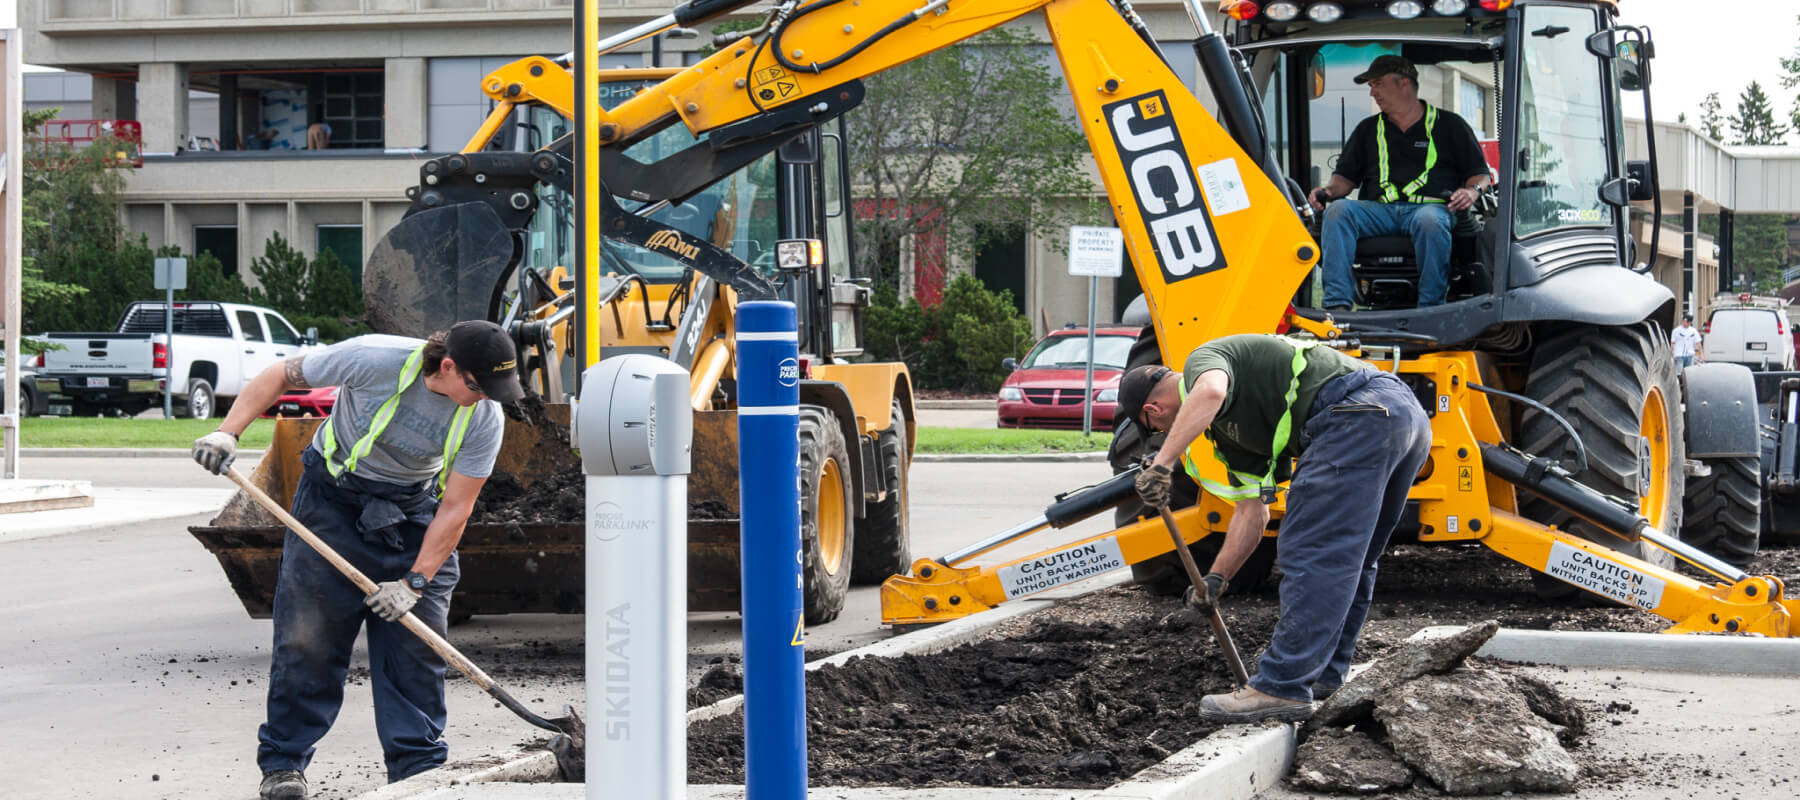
column 1388, row 65
column 483, row 349
column 1134, row 389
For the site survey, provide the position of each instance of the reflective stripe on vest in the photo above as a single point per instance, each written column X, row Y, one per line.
column 1389, row 194
column 1253, row 486
column 459, row 425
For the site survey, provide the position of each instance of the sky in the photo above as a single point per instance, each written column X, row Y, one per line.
column 1709, row 46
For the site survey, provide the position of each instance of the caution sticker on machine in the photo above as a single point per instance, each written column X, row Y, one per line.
column 1603, row 577
column 1051, row 570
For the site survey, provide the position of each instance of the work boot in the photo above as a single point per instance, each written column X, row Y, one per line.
column 1321, row 691
column 283, row 784
column 1250, row 705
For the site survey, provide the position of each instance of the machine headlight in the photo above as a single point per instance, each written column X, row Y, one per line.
column 1405, row 9
column 1011, row 394
column 1450, row 8
column 1324, row 12
column 1106, row 396
column 1282, row 11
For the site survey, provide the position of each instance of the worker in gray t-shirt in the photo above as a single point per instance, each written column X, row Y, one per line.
column 390, row 481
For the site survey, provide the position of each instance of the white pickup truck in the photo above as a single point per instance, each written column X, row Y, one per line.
column 216, row 349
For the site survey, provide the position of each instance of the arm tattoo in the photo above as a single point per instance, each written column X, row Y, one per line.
column 295, row 376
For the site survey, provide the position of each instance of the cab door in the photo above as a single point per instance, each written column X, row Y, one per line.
column 848, row 293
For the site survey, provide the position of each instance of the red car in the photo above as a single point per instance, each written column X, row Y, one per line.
column 1045, row 390
column 316, row 402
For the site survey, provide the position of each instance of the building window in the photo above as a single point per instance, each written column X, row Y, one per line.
column 1474, row 107
column 353, row 108
column 345, row 242
column 221, row 241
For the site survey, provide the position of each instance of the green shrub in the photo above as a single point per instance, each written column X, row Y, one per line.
column 955, row 345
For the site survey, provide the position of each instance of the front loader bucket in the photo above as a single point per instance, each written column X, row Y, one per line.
column 507, row 568
column 436, row 268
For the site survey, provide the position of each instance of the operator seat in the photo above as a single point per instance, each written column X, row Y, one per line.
column 1386, row 270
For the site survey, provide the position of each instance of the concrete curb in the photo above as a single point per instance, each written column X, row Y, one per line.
column 1738, row 655
column 957, row 405
column 1005, row 458
column 1232, row 764
column 118, row 452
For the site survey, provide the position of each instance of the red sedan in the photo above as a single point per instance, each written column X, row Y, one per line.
column 316, row 402
column 1045, row 390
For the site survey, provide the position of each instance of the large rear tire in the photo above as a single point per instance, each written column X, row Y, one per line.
column 827, row 526
column 883, row 540
column 1722, row 512
column 1618, row 387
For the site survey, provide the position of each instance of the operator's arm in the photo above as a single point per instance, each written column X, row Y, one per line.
column 261, row 392
column 1249, row 518
column 1474, row 165
column 446, row 528
column 1196, row 415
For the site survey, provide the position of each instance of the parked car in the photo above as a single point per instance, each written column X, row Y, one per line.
column 314, row 402
column 216, row 348
column 25, row 394
column 1045, row 390
column 1748, row 330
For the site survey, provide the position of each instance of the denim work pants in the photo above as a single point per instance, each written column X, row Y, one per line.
column 1348, row 220
column 318, row 613
column 1366, row 440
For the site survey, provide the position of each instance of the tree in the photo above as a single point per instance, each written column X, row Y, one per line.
column 1710, row 122
column 1790, row 79
column 1754, row 123
column 967, row 139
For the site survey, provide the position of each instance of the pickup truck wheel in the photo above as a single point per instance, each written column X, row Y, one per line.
column 199, row 400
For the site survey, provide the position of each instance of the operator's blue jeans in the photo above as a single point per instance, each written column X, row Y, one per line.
column 318, row 613
column 1348, row 220
column 1365, row 442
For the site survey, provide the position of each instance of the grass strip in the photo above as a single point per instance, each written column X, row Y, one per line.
column 993, row 440
column 131, row 433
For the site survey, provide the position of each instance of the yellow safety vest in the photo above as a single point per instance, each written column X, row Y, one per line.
column 1389, row 194
column 1254, row 486
column 459, row 425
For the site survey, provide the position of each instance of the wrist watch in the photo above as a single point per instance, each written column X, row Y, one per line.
column 416, row 582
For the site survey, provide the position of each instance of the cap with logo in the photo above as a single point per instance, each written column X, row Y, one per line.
column 1134, row 389
column 1388, row 65
column 485, row 351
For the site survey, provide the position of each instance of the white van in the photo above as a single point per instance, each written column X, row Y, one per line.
column 1747, row 330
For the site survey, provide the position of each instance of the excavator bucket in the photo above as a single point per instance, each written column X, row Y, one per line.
column 437, row 267
column 507, row 568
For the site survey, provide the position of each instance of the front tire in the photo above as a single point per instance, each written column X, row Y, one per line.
column 1617, row 386
column 827, row 528
column 884, row 541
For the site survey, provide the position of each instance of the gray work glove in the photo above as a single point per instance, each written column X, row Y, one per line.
column 1214, row 585
column 215, row 451
column 391, row 600
column 1153, row 485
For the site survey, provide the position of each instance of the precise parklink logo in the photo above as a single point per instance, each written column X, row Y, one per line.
column 1163, row 184
column 668, row 239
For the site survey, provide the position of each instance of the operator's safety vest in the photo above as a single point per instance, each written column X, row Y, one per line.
column 1390, row 194
column 459, row 425
column 1253, row 486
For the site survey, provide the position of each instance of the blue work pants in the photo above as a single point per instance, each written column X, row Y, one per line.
column 1366, row 440
column 1348, row 220
column 318, row 613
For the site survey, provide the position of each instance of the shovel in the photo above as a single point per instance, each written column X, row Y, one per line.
column 1232, row 657
column 571, row 739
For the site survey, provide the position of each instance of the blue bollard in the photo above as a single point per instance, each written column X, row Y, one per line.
column 769, row 503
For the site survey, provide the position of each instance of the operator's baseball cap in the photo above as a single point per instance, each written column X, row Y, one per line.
column 1134, row 389
column 1388, row 65
column 483, row 349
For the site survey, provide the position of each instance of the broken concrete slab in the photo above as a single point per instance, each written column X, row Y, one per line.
column 1356, row 698
column 1550, row 704
column 1348, row 762
column 1472, row 732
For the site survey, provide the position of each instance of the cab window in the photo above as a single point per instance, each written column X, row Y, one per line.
column 1563, row 156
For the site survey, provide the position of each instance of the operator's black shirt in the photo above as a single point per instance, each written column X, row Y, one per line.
column 1459, row 156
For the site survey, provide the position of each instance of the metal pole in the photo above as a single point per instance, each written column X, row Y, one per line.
column 1087, row 396
column 12, row 155
column 771, row 555
column 169, row 343
column 635, row 428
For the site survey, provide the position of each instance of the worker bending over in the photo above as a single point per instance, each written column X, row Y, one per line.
column 1360, row 437
column 1406, row 159
column 390, row 480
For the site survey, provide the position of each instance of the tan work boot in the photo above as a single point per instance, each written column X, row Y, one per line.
column 283, row 784
column 1250, row 705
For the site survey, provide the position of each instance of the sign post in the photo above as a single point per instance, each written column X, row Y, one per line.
column 171, row 274
column 1095, row 253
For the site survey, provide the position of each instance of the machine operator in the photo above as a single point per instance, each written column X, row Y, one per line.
column 1360, row 437
column 1415, row 165
column 390, row 480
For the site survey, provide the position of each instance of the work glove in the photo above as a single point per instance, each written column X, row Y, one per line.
column 391, row 600
column 1153, row 485
column 215, row 451
column 1206, row 596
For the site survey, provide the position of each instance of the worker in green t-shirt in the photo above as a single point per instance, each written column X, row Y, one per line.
column 1358, row 437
